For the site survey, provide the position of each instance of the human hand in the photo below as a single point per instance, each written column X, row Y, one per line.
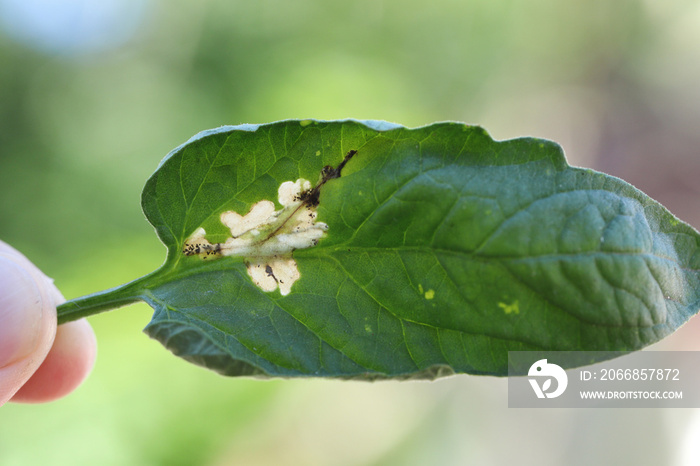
column 38, row 361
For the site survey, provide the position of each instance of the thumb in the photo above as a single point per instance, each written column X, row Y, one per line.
column 27, row 320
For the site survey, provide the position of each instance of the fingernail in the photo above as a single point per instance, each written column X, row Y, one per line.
column 20, row 312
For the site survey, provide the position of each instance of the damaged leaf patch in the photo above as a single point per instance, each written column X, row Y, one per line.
column 266, row 237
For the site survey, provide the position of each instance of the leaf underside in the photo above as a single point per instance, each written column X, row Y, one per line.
column 444, row 251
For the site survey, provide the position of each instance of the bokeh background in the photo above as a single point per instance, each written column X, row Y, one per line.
column 94, row 93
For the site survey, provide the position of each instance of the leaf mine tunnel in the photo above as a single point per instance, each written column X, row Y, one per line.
column 266, row 237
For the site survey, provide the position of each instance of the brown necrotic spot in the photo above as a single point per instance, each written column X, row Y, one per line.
column 311, row 197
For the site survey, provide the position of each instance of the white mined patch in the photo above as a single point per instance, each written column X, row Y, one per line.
column 266, row 237
column 259, row 214
column 289, row 191
column 268, row 274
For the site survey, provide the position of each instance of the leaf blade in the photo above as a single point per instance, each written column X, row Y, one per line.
column 445, row 249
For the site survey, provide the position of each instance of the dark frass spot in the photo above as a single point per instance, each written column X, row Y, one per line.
column 268, row 271
column 311, row 197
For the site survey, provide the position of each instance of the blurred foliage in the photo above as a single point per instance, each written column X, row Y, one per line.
column 81, row 129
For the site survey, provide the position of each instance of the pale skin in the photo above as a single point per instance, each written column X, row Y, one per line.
column 39, row 361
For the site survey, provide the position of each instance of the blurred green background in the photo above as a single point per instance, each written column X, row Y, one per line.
column 93, row 95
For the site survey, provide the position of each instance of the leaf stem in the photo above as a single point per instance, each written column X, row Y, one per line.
column 102, row 301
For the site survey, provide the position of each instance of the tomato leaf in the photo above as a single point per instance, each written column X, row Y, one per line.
column 432, row 251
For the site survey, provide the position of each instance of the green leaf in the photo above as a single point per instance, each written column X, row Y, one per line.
column 443, row 251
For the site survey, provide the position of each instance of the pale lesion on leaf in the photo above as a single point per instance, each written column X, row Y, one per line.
column 266, row 237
